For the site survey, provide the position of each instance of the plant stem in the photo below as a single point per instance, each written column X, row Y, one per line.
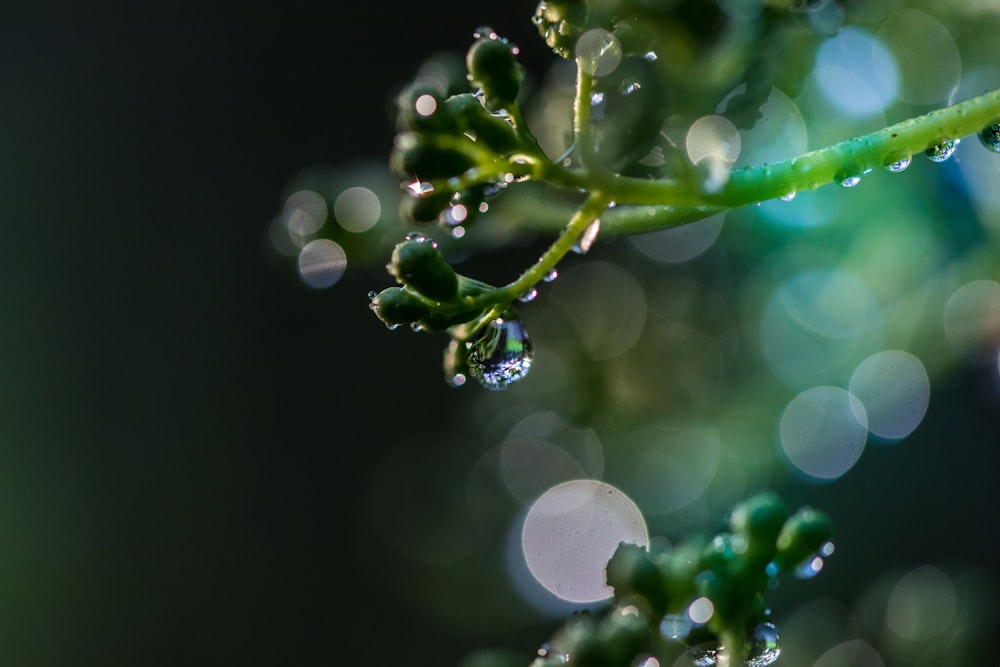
column 669, row 202
column 582, row 218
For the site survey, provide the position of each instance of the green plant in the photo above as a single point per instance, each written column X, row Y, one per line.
column 626, row 160
column 452, row 148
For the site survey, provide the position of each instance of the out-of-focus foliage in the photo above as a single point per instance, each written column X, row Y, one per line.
column 779, row 346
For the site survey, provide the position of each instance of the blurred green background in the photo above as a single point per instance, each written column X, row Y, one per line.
column 203, row 461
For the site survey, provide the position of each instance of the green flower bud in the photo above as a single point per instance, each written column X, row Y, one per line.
column 631, row 571
column 560, row 23
column 490, row 130
column 802, row 536
column 493, row 67
column 421, row 108
column 416, row 157
column 426, row 207
column 760, row 519
column 395, row 306
column 420, row 266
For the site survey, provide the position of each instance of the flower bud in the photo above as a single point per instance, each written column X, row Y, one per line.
column 493, row 67
column 420, row 265
column 395, row 306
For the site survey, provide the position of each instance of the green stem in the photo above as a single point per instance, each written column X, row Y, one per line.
column 581, row 120
column 590, row 211
column 758, row 183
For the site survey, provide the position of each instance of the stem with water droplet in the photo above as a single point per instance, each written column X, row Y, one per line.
column 646, row 205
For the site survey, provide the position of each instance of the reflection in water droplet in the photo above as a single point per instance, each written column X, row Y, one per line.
column 941, row 150
column 500, row 353
column 764, row 648
column 629, row 87
column 705, row 656
column 551, row 275
column 896, row 161
column 848, row 176
column 417, row 237
column 587, row 237
column 990, row 137
column 787, row 197
column 528, row 296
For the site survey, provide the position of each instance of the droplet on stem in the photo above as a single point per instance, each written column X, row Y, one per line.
column 896, row 161
column 990, row 136
column 848, row 176
column 500, row 353
column 941, row 150
column 528, row 295
column 587, row 237
column 789, row 196
column 550, row 276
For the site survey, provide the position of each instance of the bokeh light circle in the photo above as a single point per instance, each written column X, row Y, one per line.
column 571, row 532
column 823, row 432
column 894, row 388
column 357, row 209
column 922, row 605
column 930, row 65
column 322, row 263
column 856, row 73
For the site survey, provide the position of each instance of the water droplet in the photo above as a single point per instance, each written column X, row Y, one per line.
column 896, row 161
column 484, row 31
column 500, row 353
column 416, row 327
column 810, row 567
column 586, row 239
column 629, row 87
column 371, row 295
column 528, row 296
column 772, row 569
column 941, row 150
column 551, row 275
column 598, row 52
column 788, row 197
column 650, row 56
column 764, row 647
column 417, row 237
column 990, row 136
column 551, row 656
column 848, row 176
column 705, row 655
column 391, row 327
column 675, row 627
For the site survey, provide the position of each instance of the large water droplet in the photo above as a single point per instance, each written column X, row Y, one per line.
column 896, row 161
column 763, row 646
column 500, row 353
column 941, row 150
column 990, row 136
column 848, row 176
column 587, row 237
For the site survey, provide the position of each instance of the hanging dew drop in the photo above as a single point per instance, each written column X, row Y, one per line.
column 417, row 237
column 896, row 162
column 500, row 353
column 990, row 137
column 551, row 276
column 587, row 237
column 848, row 176
column 787, row 197
column 528, row 296
column 763, row 645
column 941, row 150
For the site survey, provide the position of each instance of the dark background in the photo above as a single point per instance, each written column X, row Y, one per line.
column 185, row 429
